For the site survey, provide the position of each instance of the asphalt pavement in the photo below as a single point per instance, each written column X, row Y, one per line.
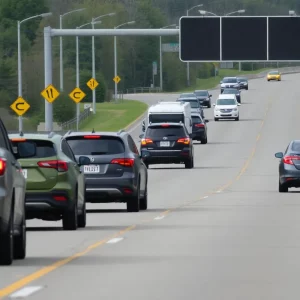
column 220, row 231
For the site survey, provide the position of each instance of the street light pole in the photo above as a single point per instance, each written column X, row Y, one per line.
column 115, row 57
column 61, row 63
column 188, row 64
column 161, row 58
column 20, row 92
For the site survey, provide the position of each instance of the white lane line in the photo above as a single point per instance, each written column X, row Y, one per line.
column 218, row 191
column 159, row 218
column 205, row 197
column 25, row 292
column 115, row 240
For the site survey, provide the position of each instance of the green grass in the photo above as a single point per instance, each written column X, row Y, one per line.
column 212, row 82
column 113, row 117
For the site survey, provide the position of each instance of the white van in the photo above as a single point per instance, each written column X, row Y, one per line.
column 226, row 107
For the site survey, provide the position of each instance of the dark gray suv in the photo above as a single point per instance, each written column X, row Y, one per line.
column 114, row 171
column 12, row 199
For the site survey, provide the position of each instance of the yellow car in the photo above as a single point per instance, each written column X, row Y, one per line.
column 274, row 75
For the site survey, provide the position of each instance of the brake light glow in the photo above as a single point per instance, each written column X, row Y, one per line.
column 199, row 125
column 91, row 137
column 18, row 140
column 146, row 141
column 127, row 191
column 2, row 166
column 165, row 125
column 59, row 198
column 185, row 141
column 289, row 159
column 59, row 165
column 126, row 162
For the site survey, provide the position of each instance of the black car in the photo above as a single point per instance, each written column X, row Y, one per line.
column 204, row 97
column 167, row 143
column 195, row 105
column 243, row 83
column 289, row 167
column 12, row 198
column 236, row 92
column 199, row 128
column 114, row 171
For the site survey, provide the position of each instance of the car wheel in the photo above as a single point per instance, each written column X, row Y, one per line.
column 144, row 199
column 82, row 217
column 190, row 163
column 20, row 241
column 70, row 218
column 209, row 105
column 133, row 204
column 204, row 141
column 282, row 188
column 6, row 244
column 216, row 119
column 246, row 89
column 237, row 119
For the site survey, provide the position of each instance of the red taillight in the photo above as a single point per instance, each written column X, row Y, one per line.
column 59, row 198
column 59, row 165
column 2, row 166
column 165, row 125
column 127, row 191
column 199, row 125
column 185, row 141
column 146, row 141
column 126, row 162
column 289, row 159
column 91, row 137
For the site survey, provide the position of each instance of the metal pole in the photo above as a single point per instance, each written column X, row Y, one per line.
column 93, row 67
column 77, row 81
column 187, row 65
column 160, row 65
column 48, row 77
column 116, row 70
column 20, row 73
column 61, row 72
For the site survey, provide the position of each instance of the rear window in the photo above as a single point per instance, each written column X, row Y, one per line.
column 158, row 131
column 99, row 146
column 193, row 103
column 196, row 119
column 171, row 118
column 202, row 93
column 296, row 147
column 232, row 91
column 43, row 148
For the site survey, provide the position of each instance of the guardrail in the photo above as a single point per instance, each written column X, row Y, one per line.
column 71, row 124
column 138, row 90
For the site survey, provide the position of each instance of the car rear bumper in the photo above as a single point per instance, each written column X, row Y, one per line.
column 165, row 156
column 55, row 200
column 290, row 178
column 106, row 190
column 198, row 135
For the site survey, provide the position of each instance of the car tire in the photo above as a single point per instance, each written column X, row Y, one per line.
column 20, row 241
column 282, row 188
column 70, row 218
column 204, row 141
column 6, row 244
column 216, row 119
column 209, row 105
column 190, row 163
column 82, row 217
column 237, row 119
column 133, row 204
column 144, row 200
column 246, row 89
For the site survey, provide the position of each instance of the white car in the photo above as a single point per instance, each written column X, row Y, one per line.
column 226, row 107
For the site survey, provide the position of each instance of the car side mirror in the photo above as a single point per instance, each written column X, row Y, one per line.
column 141, row 136
column 84, row 160
column 279, row 155
column 239, row 104
column 210, row 95
column 25, row 149
column 214, row 104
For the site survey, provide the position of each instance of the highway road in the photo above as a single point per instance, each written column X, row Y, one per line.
column 220, row 231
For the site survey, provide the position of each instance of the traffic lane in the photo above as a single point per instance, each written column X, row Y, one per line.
column 243, row 240
column 219, row 159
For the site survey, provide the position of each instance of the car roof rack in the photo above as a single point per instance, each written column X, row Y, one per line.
column 93, row 131
column 69, row 131
column 51, row 134
column 121, row 131
column 21, row 133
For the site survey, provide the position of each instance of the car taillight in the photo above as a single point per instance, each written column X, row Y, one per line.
column 126, row 162
column 199, row 125
column 146, row 141
column 2, row 166
column 165, row 125
column 289, row 159
column 91, row 137
column 59, row 165
column 185, row 141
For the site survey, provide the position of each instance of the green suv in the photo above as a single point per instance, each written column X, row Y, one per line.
column 55, row 185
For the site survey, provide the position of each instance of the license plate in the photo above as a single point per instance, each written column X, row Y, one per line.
column 91, row 169
column 24, row 173
column 165, row 144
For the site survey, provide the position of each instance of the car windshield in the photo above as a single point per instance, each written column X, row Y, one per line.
column 274, row 73
column 296, row 146
column 229, row 80
column 226, row 102
column 86, row 145
column 242, row 79
column 201, row 93
column 230, row 91
column 193, row 103
column 187, row 95
column 161, row 131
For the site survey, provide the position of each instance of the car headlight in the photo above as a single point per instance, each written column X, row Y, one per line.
column 217, row 109
column 235, row 109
